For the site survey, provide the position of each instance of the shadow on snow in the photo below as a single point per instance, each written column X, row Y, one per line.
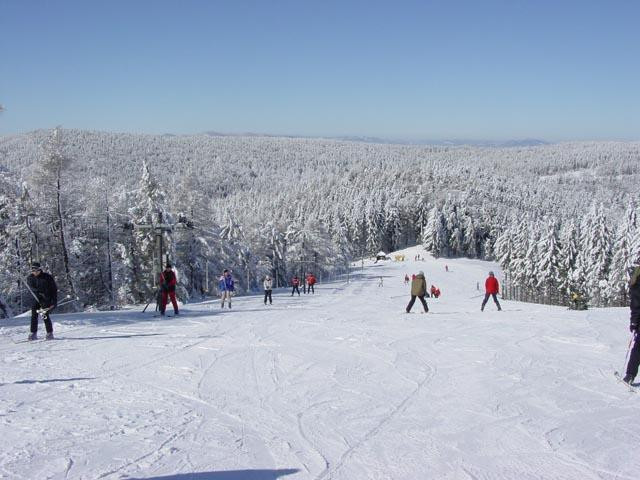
column 228, row 475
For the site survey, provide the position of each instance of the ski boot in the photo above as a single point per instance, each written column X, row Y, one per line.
column 32, row 336
column 628, row 379
column 49, row 336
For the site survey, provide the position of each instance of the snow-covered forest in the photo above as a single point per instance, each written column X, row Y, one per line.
column 559, row 218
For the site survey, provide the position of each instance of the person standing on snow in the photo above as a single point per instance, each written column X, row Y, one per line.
column 168, row 281
column 225, row 287
column 418, row 289
column 44, row 287
column 295, row 282
column 268, row 287
column 634, row 358
column 311, row 281
column 491, row 288
column 406, row 279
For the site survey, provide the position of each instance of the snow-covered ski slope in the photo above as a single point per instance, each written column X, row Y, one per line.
column 338, row 385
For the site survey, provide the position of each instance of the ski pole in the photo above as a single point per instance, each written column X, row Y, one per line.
column 29, row 288
column 626, row 358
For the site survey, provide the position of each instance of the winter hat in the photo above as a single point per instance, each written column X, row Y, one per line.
column 36, row 266
column 168, row 265
column 421, row 273
column 490, row 273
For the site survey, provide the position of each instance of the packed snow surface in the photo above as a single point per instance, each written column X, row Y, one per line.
column 342, row 384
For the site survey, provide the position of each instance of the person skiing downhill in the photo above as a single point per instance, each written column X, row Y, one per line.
column 168, row 281
column 491, row 288
column 634, row 358
column 311, row 281
column 418, row 289
column 225, row 287
column 268, row 287
column 44, row 287
column 295, row 282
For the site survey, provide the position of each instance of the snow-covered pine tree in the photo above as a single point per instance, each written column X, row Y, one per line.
column 623, row 257
column 548, row 279
column 595, row 258
column 570, row 280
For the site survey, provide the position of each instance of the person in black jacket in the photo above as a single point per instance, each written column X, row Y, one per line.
column 634, row 358
column 44, row 287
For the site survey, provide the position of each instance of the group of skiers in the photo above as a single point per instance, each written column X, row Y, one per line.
column 45, row 292
column 226, row 287
column 308, row 284
column 419, row 290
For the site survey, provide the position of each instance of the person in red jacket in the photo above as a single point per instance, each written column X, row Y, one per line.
column 168, row 283
column 311, row 281
column 491, row 288
column 295, row 282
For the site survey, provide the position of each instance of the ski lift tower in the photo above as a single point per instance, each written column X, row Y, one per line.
column 158, row 230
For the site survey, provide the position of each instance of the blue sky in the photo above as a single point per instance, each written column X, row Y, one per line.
column 557, row 70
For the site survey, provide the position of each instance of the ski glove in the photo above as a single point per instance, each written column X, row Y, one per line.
column 165, row 287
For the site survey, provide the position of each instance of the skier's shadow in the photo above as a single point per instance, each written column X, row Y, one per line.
column 105, row 337
column 228, row 475
column 51, row 380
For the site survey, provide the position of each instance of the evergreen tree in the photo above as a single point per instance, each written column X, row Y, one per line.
column 549, row 264
column 623, row 257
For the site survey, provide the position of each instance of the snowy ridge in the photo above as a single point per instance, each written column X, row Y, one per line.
column 338, row 385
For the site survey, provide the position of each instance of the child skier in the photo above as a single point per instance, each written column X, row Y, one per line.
column 226, row 287
column 295, row 282
column 268, row 287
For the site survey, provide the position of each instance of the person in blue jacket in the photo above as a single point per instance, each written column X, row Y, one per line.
column 225, row 287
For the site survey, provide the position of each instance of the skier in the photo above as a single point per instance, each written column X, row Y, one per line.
column 44, row 287
column 491, row 288
column 268, row 287
column 225, row 287
column 380, row 282
column 418, row 289
column 446, row 268
column 311, row 281
column 634, row 358
column 295, row 282
column 168, row 283
column 435, row 291
column 406, row 279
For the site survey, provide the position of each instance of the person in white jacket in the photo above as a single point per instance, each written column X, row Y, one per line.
column 268, row 286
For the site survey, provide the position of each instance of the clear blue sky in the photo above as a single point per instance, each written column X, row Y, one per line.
column 477, row 69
